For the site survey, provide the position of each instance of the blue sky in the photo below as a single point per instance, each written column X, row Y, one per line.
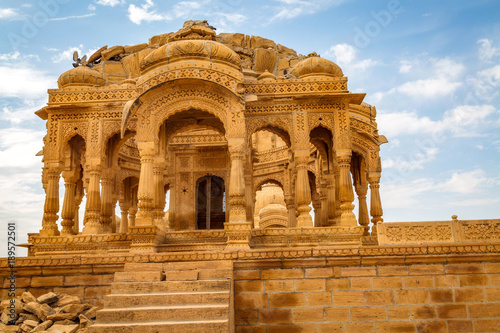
column 432, row 69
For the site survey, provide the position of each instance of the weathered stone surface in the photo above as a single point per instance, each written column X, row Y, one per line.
column 18, row 305
column 256, row 42
column 43, row 326
column 135, row 48
column 36, row 309
column 112, row 52
column 84, row 321
column 6, row 318
column 48, row 298
column 26, row 316
column 91, row 313
column 65, row 300
column 73, row 308
column 8, row 328
column 62, row 316
column 27, row 297
column 62, row 329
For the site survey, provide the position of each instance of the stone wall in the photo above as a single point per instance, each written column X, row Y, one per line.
column 391, row 288
column 323, row 295
column 89, row 282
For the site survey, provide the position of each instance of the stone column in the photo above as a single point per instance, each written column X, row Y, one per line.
column 346, row 191
column 364, row 219
column 124, row 208
column 316, row 203
column 303, row 190
column 145, row 193
column 79, row 193
column 338, row 211
column 292, row 218
column 323, row 196
column 107, row 211
column 51, row 207
column 237, row 199
column 93, row 207
column 331, row 202
column 159, row 192
column 375, row 202
column 69, row 206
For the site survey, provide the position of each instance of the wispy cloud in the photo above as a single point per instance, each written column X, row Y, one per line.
column 8, row 14
column 146, row 13
column 345, row 55
column 290, row 9
column 486, row 50
column 110, row 3
column 459, row 121
column 71, row 17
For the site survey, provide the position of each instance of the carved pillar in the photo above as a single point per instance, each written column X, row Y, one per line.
column 292, row 218
column 316, row 203
column 107, row 211
column 323, row 196
column 303, row 190
column 69, row 206
column 79, row 193
column 346, row 192
column 375, row 202
column 237, row 198
column 51, row 207
column 124, row 208
column 364, row 219
column 145, row 193
column 338, row 211
column 330, row 197
column 159, row 192
column 93, row 207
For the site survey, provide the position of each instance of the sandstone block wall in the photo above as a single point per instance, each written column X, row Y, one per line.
column 322, row 296
column 89, row 282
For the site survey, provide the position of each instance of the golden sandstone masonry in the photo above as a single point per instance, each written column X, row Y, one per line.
column 243, row 136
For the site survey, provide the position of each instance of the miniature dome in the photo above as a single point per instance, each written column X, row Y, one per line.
column 273, row 210
column 316, row 66
column 191, row 48
column 81, row 76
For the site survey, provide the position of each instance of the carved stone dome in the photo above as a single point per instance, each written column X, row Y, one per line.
column 273, row 210
column 81, row 76
column 316, row 66
column 207, row 49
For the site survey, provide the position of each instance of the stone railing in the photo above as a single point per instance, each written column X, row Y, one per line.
column 454, row 231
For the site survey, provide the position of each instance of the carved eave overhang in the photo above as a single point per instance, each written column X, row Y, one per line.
column 291, row 87
column 106, row 95
column 320, row 103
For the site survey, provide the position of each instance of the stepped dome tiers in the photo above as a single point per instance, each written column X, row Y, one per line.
column 183, row 49
column 81, row 76
column 316, row 66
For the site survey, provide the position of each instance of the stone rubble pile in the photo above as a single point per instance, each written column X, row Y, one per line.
column 50, row 313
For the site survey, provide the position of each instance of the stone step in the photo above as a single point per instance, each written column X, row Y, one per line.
column 199, row 265
column 194, row 326
column 182, row 275
column 175, row 298
column 167, row 286
column 164, row 312
column 143, row 267
column 139, row 276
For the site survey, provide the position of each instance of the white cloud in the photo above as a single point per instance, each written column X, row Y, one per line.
column 476, row 202
column 22, row 113
column 405, row 66
column 8, row 13
column 16, row 56
column 67, row 55
column 223, row 20
column 487, row 50
column 428, row 88
column 415, row 161
column 145, row 13
column 71, row 17
column 462, row 120
column 289, row 9
column 111, row 3
column 23, row 81
column 345, row 56
column 466, row 182
column 91, row 7
column 185, row 9
column 402, row 195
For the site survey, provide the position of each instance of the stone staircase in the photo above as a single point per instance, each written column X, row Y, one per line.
column 169, row 297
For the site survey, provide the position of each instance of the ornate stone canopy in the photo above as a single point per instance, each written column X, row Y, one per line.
column 209, row 120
